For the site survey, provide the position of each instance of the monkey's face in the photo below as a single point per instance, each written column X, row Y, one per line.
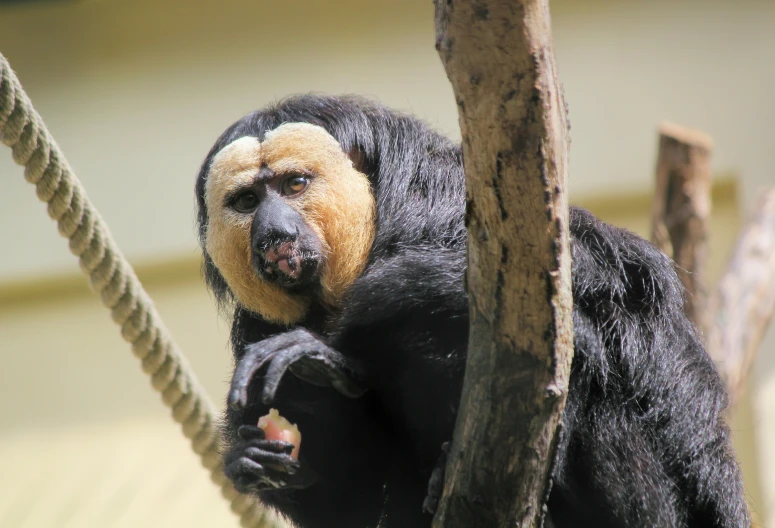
column 290, row 220
column 285, row 249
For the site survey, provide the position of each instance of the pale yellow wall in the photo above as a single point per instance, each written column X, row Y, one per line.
column 84, row 440
column 121, row 474
column 67, row 347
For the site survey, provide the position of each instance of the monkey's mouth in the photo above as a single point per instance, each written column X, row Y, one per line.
column 287, row 264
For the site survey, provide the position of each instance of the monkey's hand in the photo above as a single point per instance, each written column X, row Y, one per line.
column 436, row 482
column 307, row 357
column 255, row 464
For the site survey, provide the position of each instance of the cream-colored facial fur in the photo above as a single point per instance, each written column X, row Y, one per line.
column 338, row 206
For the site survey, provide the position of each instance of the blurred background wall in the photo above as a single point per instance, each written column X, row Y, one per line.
column 136, row 92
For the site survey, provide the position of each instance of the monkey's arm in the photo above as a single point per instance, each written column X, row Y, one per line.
column 339, row 477
column 267, row 464
column 260, row 463
column 340, row 474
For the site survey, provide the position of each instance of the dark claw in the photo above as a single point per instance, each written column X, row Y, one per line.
column 237, row 400
column 318, row 365
column 254, row 359
column 277, row 368
column 305, row 355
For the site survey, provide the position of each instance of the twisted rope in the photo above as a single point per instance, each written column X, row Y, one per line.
column 22, row 129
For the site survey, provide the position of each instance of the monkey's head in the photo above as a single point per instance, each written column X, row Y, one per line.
column 289, row 221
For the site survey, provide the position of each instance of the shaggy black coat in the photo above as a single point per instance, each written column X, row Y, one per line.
column 645, row 443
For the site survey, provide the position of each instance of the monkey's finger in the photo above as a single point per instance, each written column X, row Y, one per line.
column 276, row 371
column 281, row 462
column 250, row 432
column 275, row 446
column 245, row 467
column 253, row 360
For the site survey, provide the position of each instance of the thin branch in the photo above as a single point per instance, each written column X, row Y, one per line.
column 743, row 303
column 682, row 210
column 499, row 59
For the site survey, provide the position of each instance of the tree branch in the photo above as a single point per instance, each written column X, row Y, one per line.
column 681, row 212
column 744, row 300
column 499, row 59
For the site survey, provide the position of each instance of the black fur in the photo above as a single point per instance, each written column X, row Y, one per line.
column 645, row 443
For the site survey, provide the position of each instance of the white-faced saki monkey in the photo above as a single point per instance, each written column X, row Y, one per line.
column 334, row 227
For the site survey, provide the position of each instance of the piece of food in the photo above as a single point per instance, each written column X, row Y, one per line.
column 278, row 428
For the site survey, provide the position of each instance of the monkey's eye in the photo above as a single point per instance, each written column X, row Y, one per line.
column 294, row 185
column 245, row 202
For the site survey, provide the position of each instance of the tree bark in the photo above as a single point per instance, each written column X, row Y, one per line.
column 499, row 59
column 682, row 211
column 744, row 300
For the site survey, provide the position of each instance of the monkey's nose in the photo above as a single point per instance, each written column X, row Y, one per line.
column 265, row 241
